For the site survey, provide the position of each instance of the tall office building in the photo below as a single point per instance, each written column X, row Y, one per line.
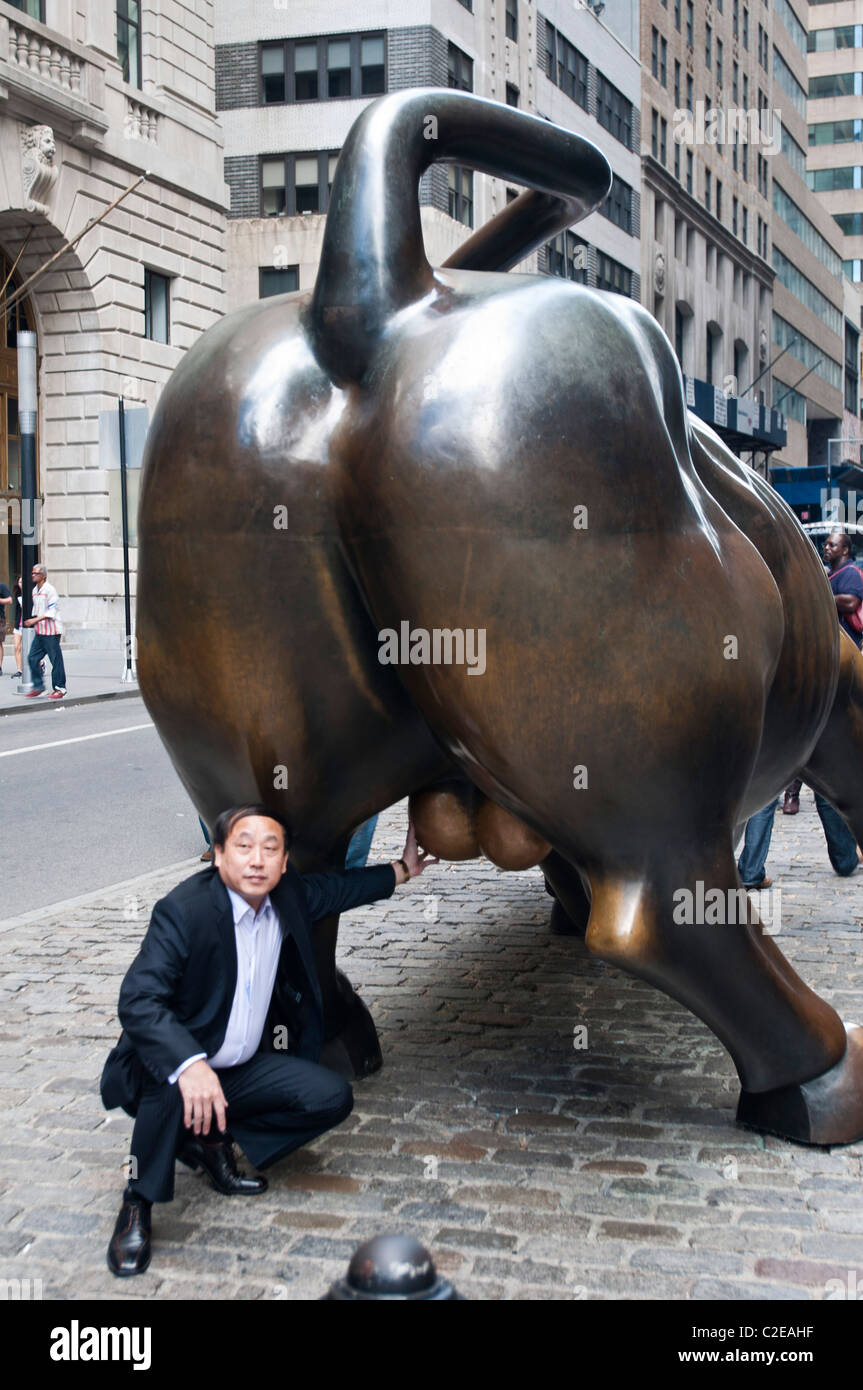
column 292, row 79
column 95, row 94
column 741, row 260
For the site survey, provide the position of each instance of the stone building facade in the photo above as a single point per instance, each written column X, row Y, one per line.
column 93, row 93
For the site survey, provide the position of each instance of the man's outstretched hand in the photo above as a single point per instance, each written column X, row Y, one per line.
column 413, row 857
column 202, row 1097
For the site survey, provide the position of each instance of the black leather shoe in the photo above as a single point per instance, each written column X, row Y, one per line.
column 217, row 1161
column 129, row 1250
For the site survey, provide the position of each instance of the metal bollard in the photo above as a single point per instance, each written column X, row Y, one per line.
column 391, row 1267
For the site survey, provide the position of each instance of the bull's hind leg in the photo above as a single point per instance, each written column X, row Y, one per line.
column 835, row 767
column 801, row 1073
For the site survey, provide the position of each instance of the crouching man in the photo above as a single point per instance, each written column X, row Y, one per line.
column 223, row 1023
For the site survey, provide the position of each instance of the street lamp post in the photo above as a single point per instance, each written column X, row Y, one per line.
column 26, row 344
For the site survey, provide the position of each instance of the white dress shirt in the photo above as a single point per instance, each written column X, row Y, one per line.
column 259, row 942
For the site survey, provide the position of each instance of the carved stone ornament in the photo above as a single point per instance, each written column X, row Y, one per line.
column 762, row 344
column 659, row 271
column 37, row 165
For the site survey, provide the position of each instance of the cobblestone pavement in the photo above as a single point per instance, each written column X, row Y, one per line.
column 532, row 1169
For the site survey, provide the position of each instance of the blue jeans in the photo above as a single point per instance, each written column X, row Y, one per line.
column 50, row 647
column 361, row 843
column 756, row 845
column 841, row 844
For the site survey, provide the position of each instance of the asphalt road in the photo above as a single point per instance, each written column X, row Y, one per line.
column 89, row 798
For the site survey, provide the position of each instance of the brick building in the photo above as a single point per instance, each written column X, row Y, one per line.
column 95, row 92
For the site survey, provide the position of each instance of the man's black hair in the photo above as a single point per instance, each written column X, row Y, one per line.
column 228, row 819
column 843, row 536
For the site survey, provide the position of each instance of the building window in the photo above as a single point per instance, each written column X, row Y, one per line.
column 707, row 186
column 718, row 200
column 325, row 69
column 512, row 95
column 745, row 28
column 468, row 4
column 459, row 69
column 708, row 45
column 711, row 344
column 679, row 334
column 689, row 171
column 567, row 257
column 654, row 51
column 734, row 207
column 273, row 280
column 735, row 79
column 128, row 40
column 157, row 324
column 565, row 66
column 654, row 133
column 745, row 237
column 34, row 8
column 690, row 23
column 677, row 161
column 719, row 62
column 611, row 275
column 614, row 111
column 663, row 62
column 663, row 139
column 293, row 184
column 735, row 18
column 832, row 180
column 618, row 205
column 676, row 83
column 512, row 20
column 461, row 194
column 689, row 95
column 677, row 15
column 852, row 344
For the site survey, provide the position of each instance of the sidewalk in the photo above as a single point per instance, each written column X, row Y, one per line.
column 90, row 676
column 529, row 1167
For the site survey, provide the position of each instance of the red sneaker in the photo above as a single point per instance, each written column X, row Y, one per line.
column 56, row 695
column 33, row 694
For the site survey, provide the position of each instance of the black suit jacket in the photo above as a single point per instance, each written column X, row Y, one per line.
column 178, row 992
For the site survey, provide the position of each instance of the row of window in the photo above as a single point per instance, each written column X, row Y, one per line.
column 569, row 257
column 851, row 223
column 842, row 36
column 799, row 223
column 807, row 352
column 835, row 132
column 511, row 17
column 323, row 69
column 829, row 180
column 792, row 23
column 803, row 289
column 836, row 84
column 788, row 82
column 569, row 70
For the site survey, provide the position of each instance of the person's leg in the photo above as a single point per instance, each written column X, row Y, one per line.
column 361, row 843
column 841, row 844
column 58, row 669
column 18, row 667
column 756, row 845
column 2, row 640
column 156, row 1137
column 37, row 651
column 277, row 1103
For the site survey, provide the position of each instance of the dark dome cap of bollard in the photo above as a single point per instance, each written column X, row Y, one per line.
column 392, row 1267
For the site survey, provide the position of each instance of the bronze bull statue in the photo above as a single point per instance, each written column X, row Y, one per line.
column 409, row 455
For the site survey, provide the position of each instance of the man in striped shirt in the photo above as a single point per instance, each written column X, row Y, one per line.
column 46, row 641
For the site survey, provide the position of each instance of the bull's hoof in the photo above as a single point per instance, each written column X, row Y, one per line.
column 351, row 1048
column 826, row 1110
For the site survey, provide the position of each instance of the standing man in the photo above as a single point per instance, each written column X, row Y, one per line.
column 223, row 1021
column 46, row 621
column 5, row 603
column 846, row 580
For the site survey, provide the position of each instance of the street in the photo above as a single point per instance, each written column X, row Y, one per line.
column 89, row 798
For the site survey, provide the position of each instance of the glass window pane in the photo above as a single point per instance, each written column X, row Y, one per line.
column 307, row 170
column 12, row 414
column 273, row 59
column 331, row 173
column 283, row 280
column 372, row 51
column 306, row 57
column 273, row 173
column 339, row 53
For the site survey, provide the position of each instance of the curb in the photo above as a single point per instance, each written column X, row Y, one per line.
column 69, row 702
column 42, row 914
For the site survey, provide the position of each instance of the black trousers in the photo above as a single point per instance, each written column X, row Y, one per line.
column 276, row 1103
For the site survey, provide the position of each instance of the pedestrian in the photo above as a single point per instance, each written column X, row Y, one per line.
column 360, row 845
column 223, row 1020
column 46, row 620
column 841, row 845
column 846, row 582
column 18, row 630
column 5, row 604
